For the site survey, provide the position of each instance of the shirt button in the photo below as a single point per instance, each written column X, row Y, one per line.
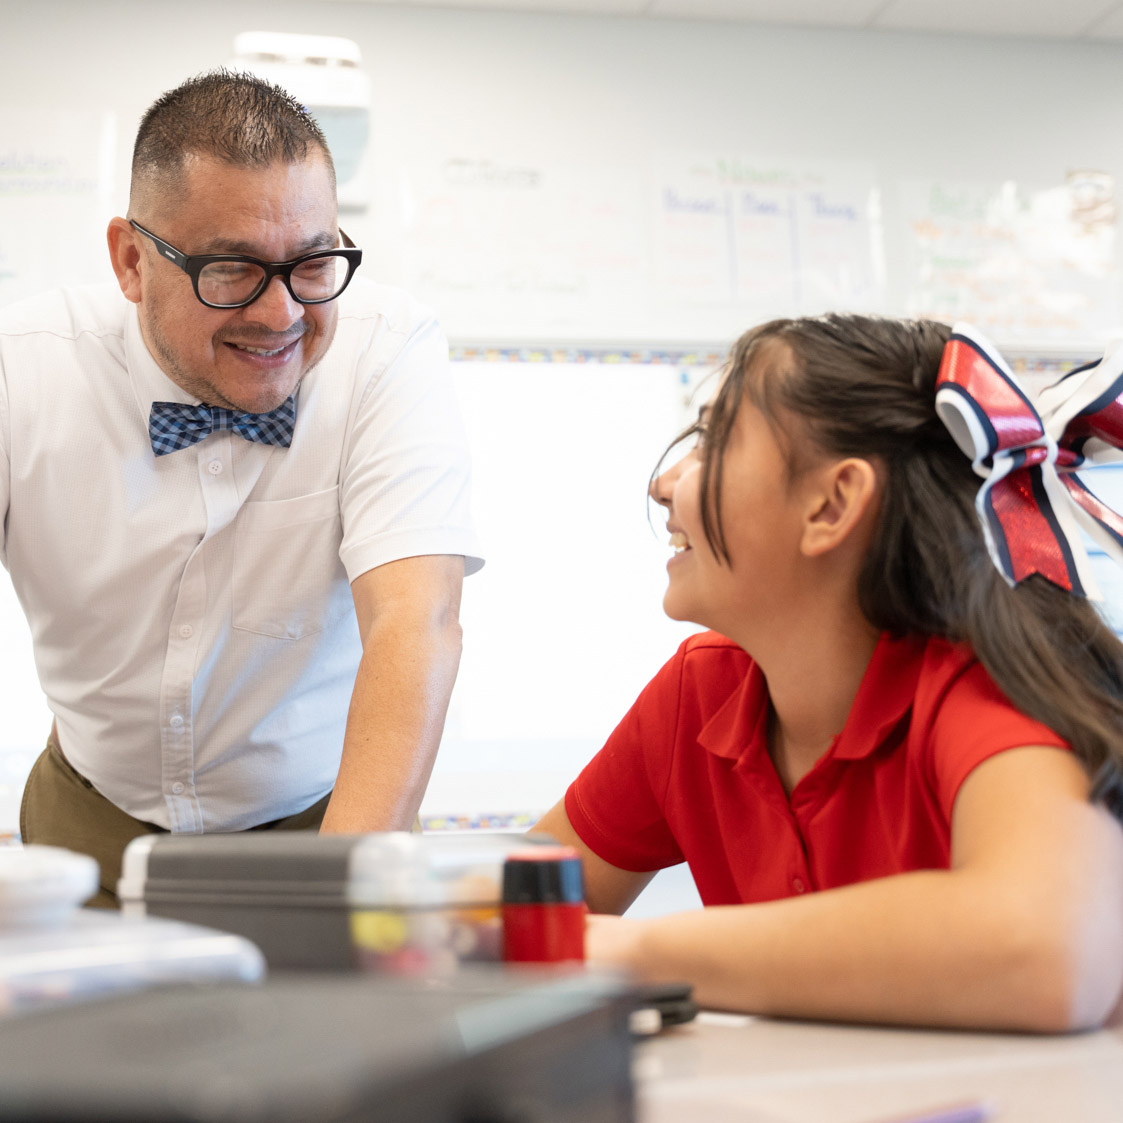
column 797, row 884
column 176, row 721
column 215, row 467
column 177, row 788
column 186, row 630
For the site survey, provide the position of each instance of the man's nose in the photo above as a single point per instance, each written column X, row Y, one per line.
column 275, row 307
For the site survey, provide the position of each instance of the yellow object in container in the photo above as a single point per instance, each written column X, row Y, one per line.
column 422, row 904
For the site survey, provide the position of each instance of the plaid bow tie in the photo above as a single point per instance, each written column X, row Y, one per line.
column 174, row 425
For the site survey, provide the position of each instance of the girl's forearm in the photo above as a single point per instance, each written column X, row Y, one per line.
column 930, row 948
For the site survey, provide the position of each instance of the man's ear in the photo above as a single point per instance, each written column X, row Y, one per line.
column 125, row 256
column 842, row 494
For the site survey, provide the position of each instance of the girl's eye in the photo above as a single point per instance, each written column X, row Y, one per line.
column 699, row 429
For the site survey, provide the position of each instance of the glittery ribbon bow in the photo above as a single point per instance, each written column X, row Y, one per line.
column 1032, row 505
column 176, row 425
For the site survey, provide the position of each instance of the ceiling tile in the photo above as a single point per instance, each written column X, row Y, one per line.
column 994, row 17
column 824, row 13
column 1109, row 26
column 1064, row 19
column 585, row 7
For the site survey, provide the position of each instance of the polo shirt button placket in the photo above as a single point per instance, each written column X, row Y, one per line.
column 798, row 885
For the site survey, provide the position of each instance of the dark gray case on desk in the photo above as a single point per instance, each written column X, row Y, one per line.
column 485, row 1047
column 286, row 891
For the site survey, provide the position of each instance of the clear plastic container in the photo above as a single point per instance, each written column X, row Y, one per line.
column 99, row 952
column 426, row 903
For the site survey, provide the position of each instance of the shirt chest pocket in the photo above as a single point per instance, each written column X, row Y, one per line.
column 288, row 580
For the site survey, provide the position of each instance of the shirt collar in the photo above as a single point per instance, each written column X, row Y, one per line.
column 150, row 384
column 884, row 696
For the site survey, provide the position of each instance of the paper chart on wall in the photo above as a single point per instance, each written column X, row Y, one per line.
column 1022, row 263
column 680, row 247
column 55, row 199
column 767, row 237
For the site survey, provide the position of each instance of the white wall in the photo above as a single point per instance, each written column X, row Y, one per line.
column 566, row 617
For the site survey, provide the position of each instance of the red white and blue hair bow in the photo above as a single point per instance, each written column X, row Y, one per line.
column 1032, row 505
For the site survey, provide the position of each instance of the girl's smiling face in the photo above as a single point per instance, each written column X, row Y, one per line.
column 761, row 517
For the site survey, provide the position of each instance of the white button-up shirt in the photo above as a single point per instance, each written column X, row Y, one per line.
column 192, row 618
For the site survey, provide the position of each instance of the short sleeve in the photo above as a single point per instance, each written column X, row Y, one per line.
column 973, row 722
column 616, row 803
column 406, row 478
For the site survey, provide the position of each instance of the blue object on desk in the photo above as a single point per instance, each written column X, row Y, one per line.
column 975, row 1111
column 96, row 953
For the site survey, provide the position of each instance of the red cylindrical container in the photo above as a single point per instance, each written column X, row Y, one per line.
column 543, row 906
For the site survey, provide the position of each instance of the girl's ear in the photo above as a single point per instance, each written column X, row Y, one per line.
column 842, row 493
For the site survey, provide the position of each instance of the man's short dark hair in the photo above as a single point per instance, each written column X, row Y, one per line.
column 225, row 115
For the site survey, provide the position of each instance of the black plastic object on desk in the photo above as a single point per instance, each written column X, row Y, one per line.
column 331, row 1049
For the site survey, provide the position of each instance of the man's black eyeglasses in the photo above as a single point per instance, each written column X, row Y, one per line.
column 233, row 280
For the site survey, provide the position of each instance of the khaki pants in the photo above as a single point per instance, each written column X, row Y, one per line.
column 62, row 808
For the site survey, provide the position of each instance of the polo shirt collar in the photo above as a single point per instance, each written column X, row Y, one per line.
column 741, row 719
column 885, row 695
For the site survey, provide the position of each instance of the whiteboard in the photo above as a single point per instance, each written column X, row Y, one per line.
column 699, row 245
column 563, row 627
column 56, row 180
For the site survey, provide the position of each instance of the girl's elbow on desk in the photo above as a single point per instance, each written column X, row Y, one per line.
column 1043, row 981
column 1054, row 983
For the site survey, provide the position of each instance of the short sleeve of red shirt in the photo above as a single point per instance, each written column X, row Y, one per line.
column 969, row 720
column 616, row 804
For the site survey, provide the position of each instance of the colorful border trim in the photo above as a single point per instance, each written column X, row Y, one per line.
column 518, row 820
column 697, row 357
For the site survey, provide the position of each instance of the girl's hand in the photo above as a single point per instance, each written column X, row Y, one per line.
column 613, row 941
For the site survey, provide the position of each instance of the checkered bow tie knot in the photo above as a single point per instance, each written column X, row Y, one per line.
column 176, row 425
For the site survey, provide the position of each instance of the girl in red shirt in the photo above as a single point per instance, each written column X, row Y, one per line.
column 909, row 707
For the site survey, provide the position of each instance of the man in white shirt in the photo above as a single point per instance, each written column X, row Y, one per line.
column 205, row 485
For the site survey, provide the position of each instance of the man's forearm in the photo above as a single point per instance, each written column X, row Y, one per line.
column 394, row 725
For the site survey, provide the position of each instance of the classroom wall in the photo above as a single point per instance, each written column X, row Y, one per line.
column 605, row 101
column 564, row 625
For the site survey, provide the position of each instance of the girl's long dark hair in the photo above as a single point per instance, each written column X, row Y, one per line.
column 866, row 386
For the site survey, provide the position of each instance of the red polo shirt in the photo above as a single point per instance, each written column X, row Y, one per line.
column 687, row 774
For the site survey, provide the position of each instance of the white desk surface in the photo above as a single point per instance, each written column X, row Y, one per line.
column 724, row 1069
